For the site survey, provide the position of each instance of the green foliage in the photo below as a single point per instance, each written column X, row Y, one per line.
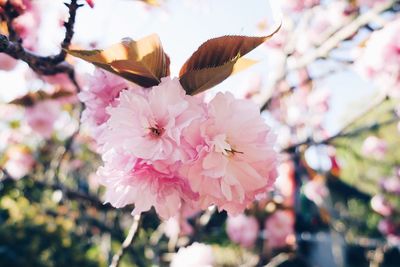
column 364, row 173
column 30, row 236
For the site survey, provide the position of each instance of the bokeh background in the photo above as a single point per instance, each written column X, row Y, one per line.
column 328, row 83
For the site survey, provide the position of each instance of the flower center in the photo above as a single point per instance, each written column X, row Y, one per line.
column 222, row 145
column 156, row 131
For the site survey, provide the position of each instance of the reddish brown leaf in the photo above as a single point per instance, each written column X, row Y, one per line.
column 143, row 62
column 215, row 60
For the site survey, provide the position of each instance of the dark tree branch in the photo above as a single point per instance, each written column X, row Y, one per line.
column 44, row 65
column 10, row 13
column 69, row 32
column 41, row 65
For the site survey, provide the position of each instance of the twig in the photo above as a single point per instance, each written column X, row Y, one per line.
column 332, row 41
column 277, row 260
column 69, row 31
column 45, row 65
column 127, row 242
column 343, row 34
column 9, row 15
column 94, row 201
column 341, row 134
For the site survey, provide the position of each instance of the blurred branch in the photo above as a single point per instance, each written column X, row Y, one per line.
column 71, row 194
column 346, row 190
column 343, row 34
column 304, row 82
column 45, row 65
column 342, row 134
column 278, row 260
column 127, row 242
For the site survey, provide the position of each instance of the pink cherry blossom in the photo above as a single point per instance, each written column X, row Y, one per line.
column 195, row 255
column 149, row 125
column 42, row 116
column 19, row 162
column 279, row 228
column 391, row 185
column 172, row 227
column 316, row 191
column 7, row 63
column 102, row 91
column 380, row 205
column 242, row 229
column 394, row 240
column 374, row 147
column 325, row 20
column 132, row 181
column 299, row 5
column 60, row 81
column 386, row 227
column 179, row 225
column 285, row 183
column 369, row 3
column 380, row 60
column 236, row 160
column 27, row 25
column 90, row 3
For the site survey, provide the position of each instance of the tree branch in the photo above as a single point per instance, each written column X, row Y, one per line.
column 127, row 242
column 342, row 134
column 343, row 34
column 10, row 13
column 69, row 32
column 44, row 65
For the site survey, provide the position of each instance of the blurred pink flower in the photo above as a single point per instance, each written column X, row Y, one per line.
column 236, row 160
column 242, row 229
column 179, row 225
column 394, row 240
column 316, row 191
column 279, row 228
column 369, row 3
column 391, row 185
column 285, row 183
column 195, row 255
column 19, row 162
column 59, row 81
column 7, row 63
column 318, row 105
column 299, row 5
column 172, row 227
column 386, row 227
column 27, row 25
column 380, row 205
column 101, row 92
column 42, row 116
column 132, row 181
column 90, row 3
column 374, row 147
column 380, row 60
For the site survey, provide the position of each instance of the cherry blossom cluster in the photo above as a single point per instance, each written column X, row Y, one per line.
column 380, row 60
column 162, row 148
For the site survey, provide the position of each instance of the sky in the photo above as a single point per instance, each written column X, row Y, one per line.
column 182, row 26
